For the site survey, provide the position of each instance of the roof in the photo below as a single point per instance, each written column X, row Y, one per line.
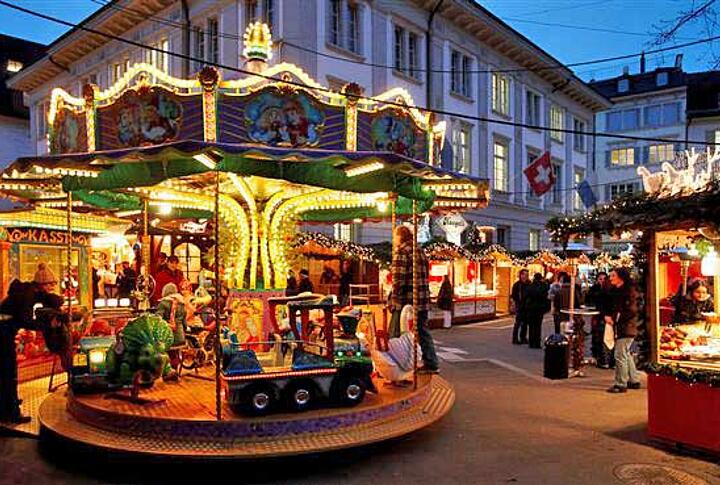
column 643, row 212
column 703, row 97
column 25, row 52
column 474, row 18
column 641, row 83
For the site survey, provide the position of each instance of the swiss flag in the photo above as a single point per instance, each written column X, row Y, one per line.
column 540, row 174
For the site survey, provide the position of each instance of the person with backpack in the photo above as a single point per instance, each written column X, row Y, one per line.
column 18, row 311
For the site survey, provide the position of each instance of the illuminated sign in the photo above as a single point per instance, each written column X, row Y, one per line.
column 45, row 236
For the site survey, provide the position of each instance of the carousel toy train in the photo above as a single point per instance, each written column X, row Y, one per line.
column 303, row 364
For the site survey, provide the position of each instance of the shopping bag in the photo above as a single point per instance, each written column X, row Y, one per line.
column 609, row 336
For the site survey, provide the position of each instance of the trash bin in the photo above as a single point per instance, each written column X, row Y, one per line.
column 557, row 357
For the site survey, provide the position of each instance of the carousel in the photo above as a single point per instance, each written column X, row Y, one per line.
column 236, row 167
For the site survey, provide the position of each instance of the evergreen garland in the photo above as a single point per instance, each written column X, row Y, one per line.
column 685, row 374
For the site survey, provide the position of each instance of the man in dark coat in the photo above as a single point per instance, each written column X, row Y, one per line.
column 18, row 311
column 536, row 306
column 518, row 295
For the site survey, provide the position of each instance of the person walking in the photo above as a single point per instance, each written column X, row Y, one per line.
column 518, row 295
column 402, row 294
column 445, row 301
column 623, row 316
column 536, row 306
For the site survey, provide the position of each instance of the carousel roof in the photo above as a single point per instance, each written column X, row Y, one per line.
column 93, row 176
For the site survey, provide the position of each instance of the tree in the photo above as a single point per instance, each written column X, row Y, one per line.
column 702, row 14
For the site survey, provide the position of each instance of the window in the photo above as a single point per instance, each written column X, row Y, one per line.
column 155, row 57
column 662, row 79
column 623, row 86
column 344, row 232
column 661, row 153
column 460, row 66
column 534, row 240
column 199, row 47
column 501, row 93
column 413, row 55
column 461, row 148
column 260, row 10
column 190, row 261
column 13, row 66
column 119, row 69
column 213, row 44
column 344, row 24
column 502, row 235
column 400, row 50
column 531, row 157
column 579, row 138
column 501, row 166
column 41, row 124
column 713, row 136
column 622, row 156
column 353, row 33
column 406, row 52
column 335, row 31
column 577, row 201
column 628, row 119
column 532, row 111
column 556, row 194
column 662, row 115
column 619, row 190
column 556, row 123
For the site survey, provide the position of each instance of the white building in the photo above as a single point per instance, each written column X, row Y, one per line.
column 665, row 104
column 379, row 45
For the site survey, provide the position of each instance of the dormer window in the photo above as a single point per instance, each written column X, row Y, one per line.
column 623, row 86
column 14, row 66
column 662, row 79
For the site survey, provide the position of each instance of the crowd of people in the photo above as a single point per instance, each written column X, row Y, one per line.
column 614, row 300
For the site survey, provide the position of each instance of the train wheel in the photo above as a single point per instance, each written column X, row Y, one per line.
column 258, row 399
column 300, row 395
column 348, row 390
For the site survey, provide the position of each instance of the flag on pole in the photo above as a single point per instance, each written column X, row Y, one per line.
column 586, row 194
column 540, row 174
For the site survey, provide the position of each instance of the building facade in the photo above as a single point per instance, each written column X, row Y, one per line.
column 484, row 79
column 15, row 54
column 680, row 110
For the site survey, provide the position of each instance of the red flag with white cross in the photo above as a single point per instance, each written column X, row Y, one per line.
column 540, row 174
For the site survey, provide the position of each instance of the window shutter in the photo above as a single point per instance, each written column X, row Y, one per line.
column 607, row 158
column 645, row 154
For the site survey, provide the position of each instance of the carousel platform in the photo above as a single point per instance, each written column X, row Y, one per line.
column 179, row 421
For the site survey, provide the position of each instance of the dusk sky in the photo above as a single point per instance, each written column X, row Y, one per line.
column 623, row 27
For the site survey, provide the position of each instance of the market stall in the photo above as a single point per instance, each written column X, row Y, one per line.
column 473, row 293
column 678, row 219
column 302, row 154
column 500, row 270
